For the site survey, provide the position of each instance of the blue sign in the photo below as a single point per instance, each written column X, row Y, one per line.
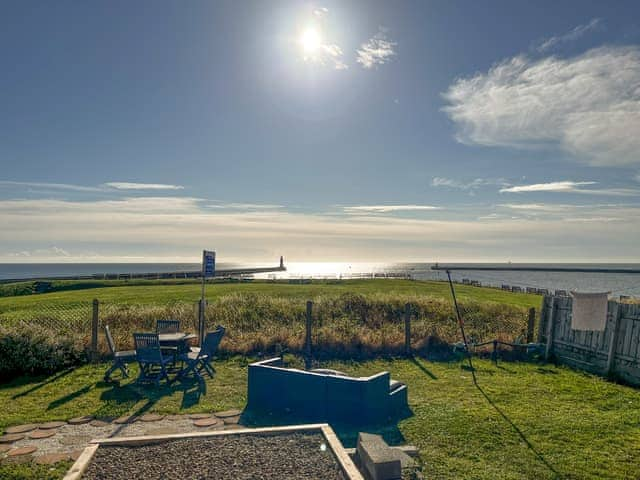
column 208, row 263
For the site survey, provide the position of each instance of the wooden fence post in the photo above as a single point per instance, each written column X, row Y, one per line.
column 531, row 323
column 407, row 329
column 307, row 343
column 551, row 318
column 613, row 339
column 94, row 330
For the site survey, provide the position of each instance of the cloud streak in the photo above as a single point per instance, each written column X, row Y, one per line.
column 573, row 35
column 378, row 50
column 388, row 208
column 568, row 186
column 587, row 106
column 142, row 186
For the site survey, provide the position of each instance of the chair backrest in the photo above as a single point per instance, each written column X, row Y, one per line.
column 147, row 347
column 168, row 326
column 212, row 341
column 112, row 345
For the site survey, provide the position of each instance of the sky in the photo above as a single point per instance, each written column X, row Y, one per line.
column 321, row 131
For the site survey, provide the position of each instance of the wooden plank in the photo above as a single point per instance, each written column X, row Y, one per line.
column 627, row 336
column 614, row 311
column 542, row 328
column 348, row 467
column 80, row 466
column 551, row 316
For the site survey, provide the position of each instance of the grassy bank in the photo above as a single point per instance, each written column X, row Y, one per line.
column 525, row 421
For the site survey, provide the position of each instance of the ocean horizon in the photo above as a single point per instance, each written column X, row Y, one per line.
column 615, row 283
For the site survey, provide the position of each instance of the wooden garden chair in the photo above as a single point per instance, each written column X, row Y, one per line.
column 199, row 359
column 120, row 358
column 153, row 365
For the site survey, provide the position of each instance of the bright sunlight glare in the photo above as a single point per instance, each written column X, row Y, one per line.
column 310, row 40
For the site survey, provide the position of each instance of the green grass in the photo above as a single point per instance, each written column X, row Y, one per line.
column 154, row 293
column 523, row 421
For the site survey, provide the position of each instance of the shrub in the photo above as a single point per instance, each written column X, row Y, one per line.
column 36, row 350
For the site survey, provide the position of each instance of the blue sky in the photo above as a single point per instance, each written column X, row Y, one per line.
column 472, row 131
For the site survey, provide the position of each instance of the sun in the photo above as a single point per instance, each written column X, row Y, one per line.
column 310, row 40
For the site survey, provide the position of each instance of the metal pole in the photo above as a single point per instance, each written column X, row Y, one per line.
column 202, row 304
column 461, row 324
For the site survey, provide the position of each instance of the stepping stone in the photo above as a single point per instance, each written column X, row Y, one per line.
column 81, row 420
column 99, row 423
column 125, row 419
column 52, row 458
column 151, row 417
column 228, row 413
column 76, row 440
column 199, row 416
column 38, row 434
column 5, row 448
column 75, row 454
column 175, row 418
column 26, row 450
column 17, row 459
column 231, row 420
column 21, row 428
column 207, row 422
column 11, row 437
column 48, row 425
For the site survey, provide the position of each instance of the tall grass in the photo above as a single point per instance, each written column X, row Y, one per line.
column 344, row 326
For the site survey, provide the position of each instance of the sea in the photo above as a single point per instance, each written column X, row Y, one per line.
column 615, row 283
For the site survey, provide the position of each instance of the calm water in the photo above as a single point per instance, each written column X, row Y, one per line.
column 618, row 284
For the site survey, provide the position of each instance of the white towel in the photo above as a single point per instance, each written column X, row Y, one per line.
column 589, row 311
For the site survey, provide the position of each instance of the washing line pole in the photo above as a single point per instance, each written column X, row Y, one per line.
column 461, row 324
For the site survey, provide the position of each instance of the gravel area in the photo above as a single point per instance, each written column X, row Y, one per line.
column 283, row 456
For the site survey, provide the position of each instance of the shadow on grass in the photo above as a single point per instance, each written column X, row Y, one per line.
column 47, row 381
column 522, row 436
column 420, row 364
column 69, row 397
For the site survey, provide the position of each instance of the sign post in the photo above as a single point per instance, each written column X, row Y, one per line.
column 208, row 270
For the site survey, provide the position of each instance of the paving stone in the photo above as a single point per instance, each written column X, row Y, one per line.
column 231, row 420
column 21, row 428
column 5, row 448
column 48, row 425
column 75, row 454
column 26, row 450
column 228, row 413
column 11, row 437
column 75, row 440
column 199, row 416
column 38, row 434
column 125, row 419
column 81, row 420
column 52, row 458
column 174, row 418
column 207, row 422
column 151, row 417
column 98, row 423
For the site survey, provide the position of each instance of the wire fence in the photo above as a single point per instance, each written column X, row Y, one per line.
column 61, row 318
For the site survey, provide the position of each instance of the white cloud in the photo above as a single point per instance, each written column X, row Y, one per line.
column 320, row 12
column 142, row 186
column 568, row 186
column 247, row 206
column 378, row 50
column 55, row 186
column 571, row 36
column 588, row 106
column 176, row 227
column 469, row 186
column 388, row 208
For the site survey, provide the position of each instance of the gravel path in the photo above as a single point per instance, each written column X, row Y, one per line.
column 283, row 456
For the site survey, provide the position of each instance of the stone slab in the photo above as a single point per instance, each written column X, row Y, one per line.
column 151, row 417
column 231, row 420
column 98, row 423
column 52, row 458
column 377, row 458
column 38, row 434
column 199, row 416
column 207, row 422
column 11, row 437
column 81, row 420
column 5, row 448
column 76, row 440
column 125, row 419
column 21, row 428
column 48, row 425
column 228, row 413
column 26, row 450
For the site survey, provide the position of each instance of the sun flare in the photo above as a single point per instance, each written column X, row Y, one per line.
column 310, row 40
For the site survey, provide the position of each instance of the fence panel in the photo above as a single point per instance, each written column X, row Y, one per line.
column 63, row 319
column 591, row 350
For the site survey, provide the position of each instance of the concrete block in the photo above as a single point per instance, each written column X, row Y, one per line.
column 377, row 459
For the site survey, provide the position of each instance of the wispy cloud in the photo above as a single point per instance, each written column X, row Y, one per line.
column 571, row 36
column 470, row 186
column 54, row 186
column 142, row 186
column 378, row 50
column 388, row 208
column 587, row 106
column 247, row 206
column 569, row 186
column 320, row 12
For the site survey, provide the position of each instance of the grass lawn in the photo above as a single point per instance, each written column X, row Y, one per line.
column 155, row 293
column 522, row 421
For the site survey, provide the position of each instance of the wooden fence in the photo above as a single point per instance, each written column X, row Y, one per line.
column 614, row 352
